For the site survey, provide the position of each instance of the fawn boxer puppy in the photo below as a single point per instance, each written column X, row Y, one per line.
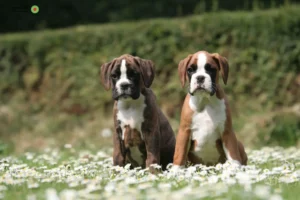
column 205, row 133
column 142, row 135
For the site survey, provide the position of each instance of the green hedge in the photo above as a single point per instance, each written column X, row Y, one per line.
column 51, row 68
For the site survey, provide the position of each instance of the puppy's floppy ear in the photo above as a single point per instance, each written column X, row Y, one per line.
column 223, row 66
column 147, row 68
column 182, row 66
column 105, row 74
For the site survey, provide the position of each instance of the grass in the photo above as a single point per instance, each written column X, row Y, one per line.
column 70, row 173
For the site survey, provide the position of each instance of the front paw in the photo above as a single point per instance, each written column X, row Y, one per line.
column 119, row 160
column 175, row 169
column 153, row 165
column 155, row 169
column 234, row 163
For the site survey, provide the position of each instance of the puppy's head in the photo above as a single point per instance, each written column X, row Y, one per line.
column 202, row 70
column 127, row 75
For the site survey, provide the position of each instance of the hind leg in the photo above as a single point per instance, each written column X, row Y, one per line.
column 243, row 153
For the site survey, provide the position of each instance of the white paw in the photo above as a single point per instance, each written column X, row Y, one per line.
column 235, row 163
column 175, row 168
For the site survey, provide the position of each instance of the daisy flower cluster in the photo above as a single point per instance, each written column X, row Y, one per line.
column 69, row 174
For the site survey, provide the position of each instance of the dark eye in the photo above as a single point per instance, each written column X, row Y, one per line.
column 207, row 67
column 114, row 76
column 190, row 70
column 132, row 74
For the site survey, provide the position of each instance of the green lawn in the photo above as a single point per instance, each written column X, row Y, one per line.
column 67, row 173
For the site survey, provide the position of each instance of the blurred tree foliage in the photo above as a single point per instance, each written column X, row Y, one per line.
column 16, row 15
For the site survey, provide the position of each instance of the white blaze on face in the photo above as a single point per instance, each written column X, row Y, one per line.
column 123, row 78
column 200, row 72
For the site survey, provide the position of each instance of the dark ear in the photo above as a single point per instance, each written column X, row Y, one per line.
column 105, row 74
column 182, row 66
column 223, row 66
column 147, row 68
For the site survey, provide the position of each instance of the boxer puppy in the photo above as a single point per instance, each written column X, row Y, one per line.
column 205, row 133
column 142, row 135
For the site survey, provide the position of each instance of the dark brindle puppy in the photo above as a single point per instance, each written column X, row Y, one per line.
column 143, row 135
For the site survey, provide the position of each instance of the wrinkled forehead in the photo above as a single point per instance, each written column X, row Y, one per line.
column 128, row 62
column 201, row 58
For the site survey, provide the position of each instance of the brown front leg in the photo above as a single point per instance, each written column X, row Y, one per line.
column 152, row 144
column 118, row 159
column 183, row 138
column 182, row 147
column 119, row 149
column 153, row 152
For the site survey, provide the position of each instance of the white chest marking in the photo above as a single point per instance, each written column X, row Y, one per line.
column 207, row 125
column 131, row 113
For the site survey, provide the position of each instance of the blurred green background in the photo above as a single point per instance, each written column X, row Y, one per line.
column 50, row 92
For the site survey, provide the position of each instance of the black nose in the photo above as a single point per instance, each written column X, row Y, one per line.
column 200, row 79
column 124, row 86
